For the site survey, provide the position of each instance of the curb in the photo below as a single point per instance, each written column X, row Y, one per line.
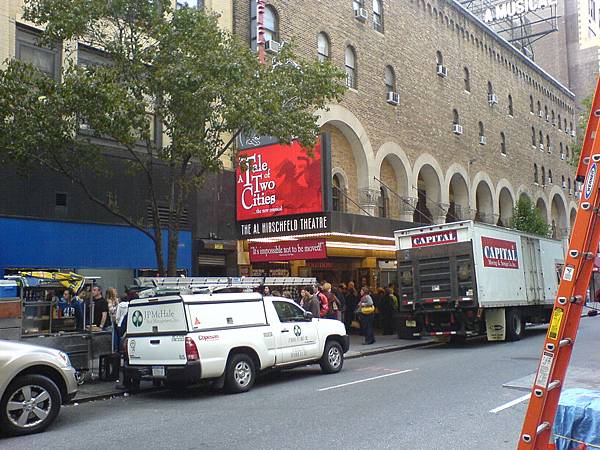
column 124, row 393
column 391, row 348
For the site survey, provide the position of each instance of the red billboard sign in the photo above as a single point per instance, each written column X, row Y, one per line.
column 499, row 253
column 438, row 238
column 278, row 180
column 287, row 250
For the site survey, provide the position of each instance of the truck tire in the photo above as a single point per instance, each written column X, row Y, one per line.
column 29, row 405
column 515, row 325
column 332, row 360
column 240, row 374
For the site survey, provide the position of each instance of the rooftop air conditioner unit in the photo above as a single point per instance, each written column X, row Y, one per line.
column 442, row 71
column 457, row 129
column 272, row 46
column 361, row 14
column 393, row 98
column 482, row 140
column 492, row 99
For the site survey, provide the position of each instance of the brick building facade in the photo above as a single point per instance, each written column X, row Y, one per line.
column 409, row 161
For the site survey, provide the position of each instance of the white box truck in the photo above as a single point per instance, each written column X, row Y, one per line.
column 466, row 278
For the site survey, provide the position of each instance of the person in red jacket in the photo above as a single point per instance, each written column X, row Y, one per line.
column 322, row 300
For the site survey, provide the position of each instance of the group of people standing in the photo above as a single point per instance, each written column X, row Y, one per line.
column 358, row 309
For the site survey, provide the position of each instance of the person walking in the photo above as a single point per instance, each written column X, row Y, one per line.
column 389, row 307
column 100, row 317
column 365, row 310
column 312, row 303
column 339, row 293
column 351, row 302
column 335, row 306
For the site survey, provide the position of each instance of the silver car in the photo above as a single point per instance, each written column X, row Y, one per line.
column 34, row 383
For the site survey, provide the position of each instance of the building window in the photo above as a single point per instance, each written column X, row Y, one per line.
column 571, row 126
column 565, row 123
column 531, row 104
column 539, row 108
column 357, row 4
column 383, row 202
column 60, row 199
column 322, row 47
column 548, row 143
column 567, row 151
column 378, row 15
column 541, row 139
column 569, row 184
column 535, row 174
column 510, row 106
column 533, row 141
column 553, row 118
column 44, row 59
column 562, row 151
column 559, row 123
column 543, row 176
column 502, row 143
column 467, row 80
column 549, row 176
column 564, row 183
column 350, row 63
column 455, row 117
column 390, row 79
column 337, row 194
column 481, row 131
column 439, row 58
column 271, row 24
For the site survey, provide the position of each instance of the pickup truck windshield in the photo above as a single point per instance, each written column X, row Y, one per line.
column 288, row 312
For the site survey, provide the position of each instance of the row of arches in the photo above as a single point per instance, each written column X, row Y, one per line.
column 386, row 183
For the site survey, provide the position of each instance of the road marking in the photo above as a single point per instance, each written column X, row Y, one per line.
column 514, row 402
column 365, row 380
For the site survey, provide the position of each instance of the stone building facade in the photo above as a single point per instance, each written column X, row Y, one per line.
column 477, row 124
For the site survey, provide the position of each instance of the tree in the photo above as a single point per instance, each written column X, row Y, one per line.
column 526, row 217
column 582, row 121
column 202, row 85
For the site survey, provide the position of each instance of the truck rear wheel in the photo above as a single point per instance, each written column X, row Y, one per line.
column 240, row 374
column 515, row 325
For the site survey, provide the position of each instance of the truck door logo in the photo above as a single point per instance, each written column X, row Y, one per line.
column 589, row 184
column 297, row 330
column 499, row 253
column 137, row 319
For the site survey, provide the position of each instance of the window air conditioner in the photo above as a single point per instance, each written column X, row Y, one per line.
column 482, row 140
column 548, row 118
column 492, row 99
column 393, row 98
column 272, row 47
column 573, row 133
column 542, row 147
column 457, row 129
column 564, row 184
column 568, row 130
column 549, row 149
column 361, row 14
column 442, row 71
column 570, row 191
column 549, row 180
column 562, row 156
column 541, row 113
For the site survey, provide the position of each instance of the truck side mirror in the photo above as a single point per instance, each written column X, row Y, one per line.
column 308, row 316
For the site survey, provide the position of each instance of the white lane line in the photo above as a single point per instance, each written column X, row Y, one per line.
column 514, row 402
column 365, row 380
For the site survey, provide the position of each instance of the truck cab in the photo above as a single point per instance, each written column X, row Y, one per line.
column 229, row 337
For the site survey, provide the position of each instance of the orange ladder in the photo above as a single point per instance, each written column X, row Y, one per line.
column 570, row 299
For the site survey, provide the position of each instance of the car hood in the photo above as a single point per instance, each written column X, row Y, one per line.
column 14, row 348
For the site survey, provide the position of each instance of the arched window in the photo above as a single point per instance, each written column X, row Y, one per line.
column 539, row 107
column 510, row 106
column 389, row 78
column 467, row 80
column 378, row 15
column 549, row 176
column 546, row 113
column 531, row 104
column 322, row 47
column 481, row 130
column 503, row 143
column 571, row 126
column 439, row 58
column 350, row 63
column 535, row 174
column 559, row 123
column 490, row 88
column 337, row 194
column 455, row 117
column 548, row 143
column 541, row 140
column 533, row 141
column 562, row 151
column 569, row 184
column 271, row 24
column 383, row 202
column 563, row 182
column 543, row 176
column 565, row 124
column 567, row 151
column 553, row 118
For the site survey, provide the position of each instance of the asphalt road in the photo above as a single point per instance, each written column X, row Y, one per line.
column 425, row 398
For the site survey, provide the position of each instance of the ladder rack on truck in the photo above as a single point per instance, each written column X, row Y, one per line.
column 570, row 299
column 220, row 283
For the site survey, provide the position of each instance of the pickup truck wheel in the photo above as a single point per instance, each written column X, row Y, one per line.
column 240, row 374
column 514, row 325
column 332, row 360
column 29, row 405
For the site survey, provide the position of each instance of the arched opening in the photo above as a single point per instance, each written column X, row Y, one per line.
column 558, row 213
column 540, row 205
column 484, row 203
column 506, row 204
column 428, row 196
column 458, row 195
column 338, row 194
column 323, row 47
column 572, row 218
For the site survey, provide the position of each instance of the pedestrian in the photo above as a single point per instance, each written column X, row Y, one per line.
column 351, row 303
column 113, row 302
column 339, row 293
column 323, row 300
column 71, row 308
column 100, row 317
column 266, row 291
column 335, row 306
column 365, row 310
column 312, row 302
column 388, row 308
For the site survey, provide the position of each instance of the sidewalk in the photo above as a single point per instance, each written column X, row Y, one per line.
column 101, row 390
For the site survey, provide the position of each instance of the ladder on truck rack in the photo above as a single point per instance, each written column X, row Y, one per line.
column 191, row 282
column 579, row 261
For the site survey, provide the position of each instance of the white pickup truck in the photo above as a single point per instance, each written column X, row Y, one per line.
column 227, row 337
